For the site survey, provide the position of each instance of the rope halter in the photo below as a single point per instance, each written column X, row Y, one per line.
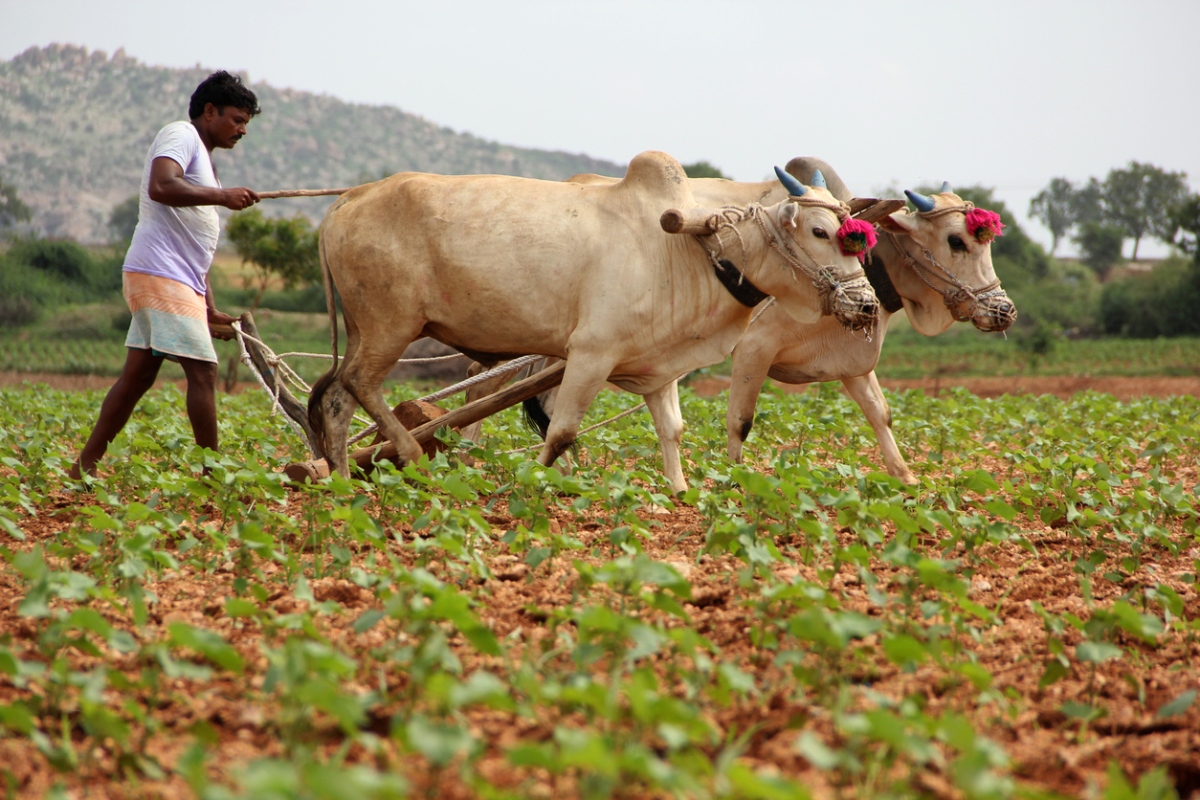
column 851, row 300
column 957, row 295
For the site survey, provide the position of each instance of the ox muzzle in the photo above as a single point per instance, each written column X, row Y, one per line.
column 990, row 311
column 851, row 302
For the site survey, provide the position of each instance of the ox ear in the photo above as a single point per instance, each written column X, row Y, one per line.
column 789, row 215
column 900, row 222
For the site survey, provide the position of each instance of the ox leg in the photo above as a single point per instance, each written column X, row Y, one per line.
column 337, row 408
column 746, row 382
column 582, row 381
column 867, row 393
column 362, row 375
column 668, row 423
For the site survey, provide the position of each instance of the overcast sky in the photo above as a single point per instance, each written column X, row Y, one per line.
column 1004, row 94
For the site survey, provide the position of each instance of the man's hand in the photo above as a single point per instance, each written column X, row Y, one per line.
column 220, row 318
column 239, row 198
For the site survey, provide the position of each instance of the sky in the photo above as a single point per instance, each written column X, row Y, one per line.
column 1007, row 94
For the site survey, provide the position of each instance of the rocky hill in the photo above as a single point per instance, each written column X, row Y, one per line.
column 75, row 126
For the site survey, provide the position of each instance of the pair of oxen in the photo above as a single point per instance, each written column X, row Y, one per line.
column 641, row 280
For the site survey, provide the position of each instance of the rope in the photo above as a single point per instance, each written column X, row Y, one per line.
column 249, row 362
column 601, row 424
column 962, row 293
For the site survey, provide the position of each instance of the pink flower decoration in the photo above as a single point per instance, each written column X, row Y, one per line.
column 984, row 225
column 857, row 237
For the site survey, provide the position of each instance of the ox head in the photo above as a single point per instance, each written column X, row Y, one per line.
column 820, row 244
column 948, row 247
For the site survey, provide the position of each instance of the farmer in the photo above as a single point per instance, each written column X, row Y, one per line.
column 166, row 269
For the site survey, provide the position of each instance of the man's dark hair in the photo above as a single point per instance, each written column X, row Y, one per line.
column 222, row 89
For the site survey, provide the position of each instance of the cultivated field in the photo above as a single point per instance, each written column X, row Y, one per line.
column 1022, row 623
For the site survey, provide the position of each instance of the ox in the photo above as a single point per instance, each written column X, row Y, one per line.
column 927, row 263
column 498, row 266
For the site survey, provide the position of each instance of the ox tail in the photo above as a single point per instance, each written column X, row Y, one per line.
column 316, row 419
column 538, row 420
column 536, row 417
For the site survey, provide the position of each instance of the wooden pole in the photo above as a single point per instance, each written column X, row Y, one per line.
column 302, row 193
column 459, row 417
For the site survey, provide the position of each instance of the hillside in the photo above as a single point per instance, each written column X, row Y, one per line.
column 75, row 126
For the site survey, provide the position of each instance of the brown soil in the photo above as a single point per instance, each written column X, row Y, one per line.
column 1122, row 388
column 1048, row 750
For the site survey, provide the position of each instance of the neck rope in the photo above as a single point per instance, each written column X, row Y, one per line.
column 824, row 278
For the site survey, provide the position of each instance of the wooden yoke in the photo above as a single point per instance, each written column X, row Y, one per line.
column 459, row 417
column 699, row 221
column 868, row 209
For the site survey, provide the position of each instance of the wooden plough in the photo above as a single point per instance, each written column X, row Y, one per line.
column 422, row 419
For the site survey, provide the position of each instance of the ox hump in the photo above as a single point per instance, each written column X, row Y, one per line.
column 657, row 176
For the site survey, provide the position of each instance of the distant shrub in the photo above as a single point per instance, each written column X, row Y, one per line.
column 1061, row 294
column 1162, row 302
column 37, row 275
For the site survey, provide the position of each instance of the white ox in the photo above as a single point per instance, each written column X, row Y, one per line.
column 498, row 266
column 926, row 263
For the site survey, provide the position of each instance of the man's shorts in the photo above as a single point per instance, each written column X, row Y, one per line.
column 169, row 318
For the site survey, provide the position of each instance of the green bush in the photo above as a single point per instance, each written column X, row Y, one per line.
column 1160, row 303
column 41, row 274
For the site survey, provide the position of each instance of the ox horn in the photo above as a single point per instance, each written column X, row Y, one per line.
column 945, row 186
column 818, row 181
column 922, row 202
column 794, row 187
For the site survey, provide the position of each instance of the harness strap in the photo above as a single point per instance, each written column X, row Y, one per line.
column 881, row 282
column 737, row 284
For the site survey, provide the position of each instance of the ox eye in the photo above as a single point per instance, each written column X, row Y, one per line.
column 957, row 244
column 820, row 233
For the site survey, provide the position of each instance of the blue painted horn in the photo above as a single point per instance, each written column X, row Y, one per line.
column 794, row 187
column 945, row 186
column 818, row 181
column 922, row 202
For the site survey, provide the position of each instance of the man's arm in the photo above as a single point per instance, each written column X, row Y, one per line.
column 169, row 187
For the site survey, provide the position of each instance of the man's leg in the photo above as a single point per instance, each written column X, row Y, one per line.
column 137, row 376
column 201, row 400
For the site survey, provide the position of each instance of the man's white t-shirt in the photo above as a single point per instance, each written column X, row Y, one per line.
column 176, row 243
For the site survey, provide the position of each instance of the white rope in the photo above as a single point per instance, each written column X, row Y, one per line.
column 249, row 362
column 624, row 413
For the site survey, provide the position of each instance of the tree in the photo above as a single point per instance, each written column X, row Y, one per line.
column 1055, row 207
column 703, row 169
column 1139, row 200
column 285, row 249
column 1101, row 246
column 1087, row 203
column 124, row 219
column 12, row 210
column 1186, row 217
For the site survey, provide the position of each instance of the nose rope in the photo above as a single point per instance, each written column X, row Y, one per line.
column 961, row 293
column 831, row 290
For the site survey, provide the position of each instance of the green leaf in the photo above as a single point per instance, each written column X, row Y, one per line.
column 1097, row 652
column 208, row 644
column 1177, row 706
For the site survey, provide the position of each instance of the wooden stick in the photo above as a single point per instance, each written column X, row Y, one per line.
column 693, row 220
column 302, row 193
column 868, row 209
column 459, row 417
